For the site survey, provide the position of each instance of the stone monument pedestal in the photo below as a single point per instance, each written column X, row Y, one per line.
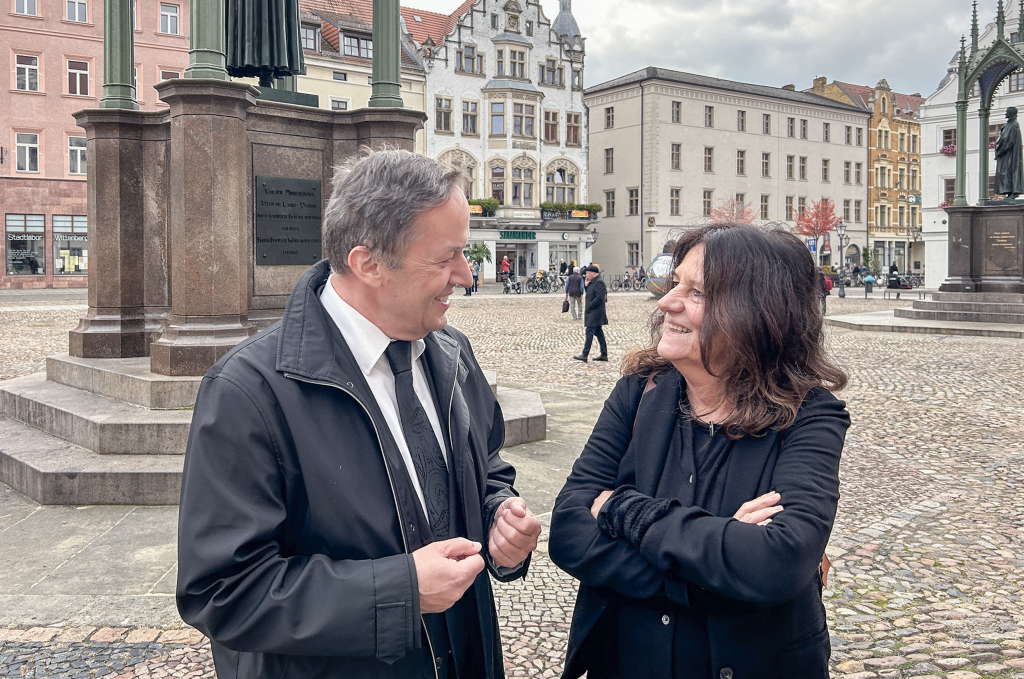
column 986, row 249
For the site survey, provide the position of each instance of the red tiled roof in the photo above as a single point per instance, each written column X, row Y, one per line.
column 861, row 95
column 454, row 17
column 433, row 24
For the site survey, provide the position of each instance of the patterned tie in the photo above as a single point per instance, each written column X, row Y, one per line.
column 427, row 457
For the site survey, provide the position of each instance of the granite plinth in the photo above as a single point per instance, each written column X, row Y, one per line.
column 127, row 379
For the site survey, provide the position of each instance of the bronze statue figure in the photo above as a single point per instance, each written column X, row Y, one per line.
column 263, row 40
column 1009, row 159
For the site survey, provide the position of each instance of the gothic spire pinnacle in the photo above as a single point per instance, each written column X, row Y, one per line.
column 1000, row 20
column 974, row 30
column 1020, row 22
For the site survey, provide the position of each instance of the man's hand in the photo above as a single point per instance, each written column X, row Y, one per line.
column 444, row 571
column 759, row 510
column 599, row 501
column 513, row 534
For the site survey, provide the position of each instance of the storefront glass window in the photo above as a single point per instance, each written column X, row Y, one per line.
column 70, row 245
column 25, row 252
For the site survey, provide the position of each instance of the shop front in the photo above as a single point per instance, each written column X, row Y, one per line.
column 45, row 251
column 532, row 245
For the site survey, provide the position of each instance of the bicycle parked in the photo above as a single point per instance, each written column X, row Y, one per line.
column 511, row 284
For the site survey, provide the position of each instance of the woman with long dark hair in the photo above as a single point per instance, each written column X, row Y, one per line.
column 697, row 516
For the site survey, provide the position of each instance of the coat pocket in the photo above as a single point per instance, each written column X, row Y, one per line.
column 391, row 631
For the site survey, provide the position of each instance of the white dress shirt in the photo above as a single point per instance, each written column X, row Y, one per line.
column 368, row 343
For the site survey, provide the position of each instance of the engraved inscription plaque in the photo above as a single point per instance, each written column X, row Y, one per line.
column 1001, row 243
column 287, row 221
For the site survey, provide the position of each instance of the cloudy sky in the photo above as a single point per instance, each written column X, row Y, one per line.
column 772, row 42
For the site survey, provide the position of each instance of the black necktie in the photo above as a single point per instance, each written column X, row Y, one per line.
column 427, row 457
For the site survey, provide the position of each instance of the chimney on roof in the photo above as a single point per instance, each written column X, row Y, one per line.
column 819, row 85
column 791, row 88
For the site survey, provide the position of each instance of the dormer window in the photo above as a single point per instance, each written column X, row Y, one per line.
column 551, row 74
column 358, row 47
column 883, row 104
column 310, row 37
column 468, row 60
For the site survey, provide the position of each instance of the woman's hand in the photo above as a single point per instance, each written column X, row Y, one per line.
column 599, row 502
column 759, row 510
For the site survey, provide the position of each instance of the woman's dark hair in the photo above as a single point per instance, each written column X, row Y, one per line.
column 762, row 333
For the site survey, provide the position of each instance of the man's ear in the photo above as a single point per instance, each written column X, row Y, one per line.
column 364, row 266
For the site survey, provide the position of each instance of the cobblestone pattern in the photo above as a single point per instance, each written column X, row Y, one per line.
column 927, row 547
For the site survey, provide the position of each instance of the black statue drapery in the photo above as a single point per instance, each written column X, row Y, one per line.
column 263, row 39
column 1009, row 158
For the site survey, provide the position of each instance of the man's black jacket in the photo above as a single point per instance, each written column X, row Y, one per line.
column 297, row 516
column 593, row 310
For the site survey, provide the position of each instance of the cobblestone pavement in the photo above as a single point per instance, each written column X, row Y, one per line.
column 928, row 544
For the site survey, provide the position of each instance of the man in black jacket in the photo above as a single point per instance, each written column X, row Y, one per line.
column 343, row 498
column 594, row 315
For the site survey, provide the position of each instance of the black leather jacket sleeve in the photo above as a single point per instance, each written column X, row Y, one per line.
column 234, row 583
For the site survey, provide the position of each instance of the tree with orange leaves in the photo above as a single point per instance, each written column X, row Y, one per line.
column 732, row 212
column 817, row 220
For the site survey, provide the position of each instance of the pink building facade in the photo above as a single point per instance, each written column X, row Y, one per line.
column 53, row 51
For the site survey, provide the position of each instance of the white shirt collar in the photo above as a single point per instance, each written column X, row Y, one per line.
column 366, row 341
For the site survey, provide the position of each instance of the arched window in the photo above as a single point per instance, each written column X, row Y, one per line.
column 524, row 170
column 561, row 180
column 883, row 104
column 498, row 177
column 463, row 159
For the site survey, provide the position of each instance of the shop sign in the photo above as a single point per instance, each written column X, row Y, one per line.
column 518, row 235
column 525, row 145
column 523, row 214
column 580, row 214
column 476, row 209
column 25, row 236
column 812, row 244
column 287, row 221
column 914, row 199
column 826, row 249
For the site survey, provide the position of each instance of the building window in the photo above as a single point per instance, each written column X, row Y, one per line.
column 76, row 155
column 27, row 7
column 676, row 156
column 572, row 129
column 529, row 28
column 790, row 127
column 340, row 77
column 494, row 21
column 913, row 216
column 468, row 60
column 901, row 216
column 741, row 121
column 803, row 167
column 705, row 201
column 609, row 118
column 801, row 205
column 308, row 35
column 849, row 135
column 443, row 114
column 901, row 180
column 709, row 159
column 847, row 172
column 78, row 78
column 25, row 249
column 883, row 104
column 677, row 111
column 499, row 60
column 764, row 206
column 339, row 104
column 634, row 201
column 741, row 162
column 498, row 183
column 577, row 79
column 857, row 210
column 913, row 180
column 77, row 12
column 609, row 161
column 70, row 245
column 949, row 190
column 790, row 161
column 913, row 143
column 825, row 170
column 803, row 128
column 169, row 19
column 949, row 136
column 1017, row 81
column 860, row 136
column 789, row 208
column 846, row 210
column 561, row 186
column 673, row 201
column 27, row 72
column 766, row 165
column 169, row 75
column 632, row 255
column 766, row 123
column 27, row 152
column 358, row 47
column 522, row 187
column 516, row 64
column 522, row 120
column 903, row 139
column 497, row 119
column 826, row 132
column 609, row 203
column 709, row 116
column 469, row 112
column 550, row 74
column 857, row 173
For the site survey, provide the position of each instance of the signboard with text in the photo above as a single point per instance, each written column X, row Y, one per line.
column 287, row 221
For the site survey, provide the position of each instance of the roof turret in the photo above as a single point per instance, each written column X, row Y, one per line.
column 565, row 22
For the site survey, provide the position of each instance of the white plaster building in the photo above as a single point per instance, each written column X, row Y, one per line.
column 938, row 130
column 667, row 147
column 505, row 99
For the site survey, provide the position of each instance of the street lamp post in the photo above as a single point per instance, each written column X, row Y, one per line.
column 841, row 230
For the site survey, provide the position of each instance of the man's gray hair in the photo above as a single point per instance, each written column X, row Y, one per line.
column 376, row 200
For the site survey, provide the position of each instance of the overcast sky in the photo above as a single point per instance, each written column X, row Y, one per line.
column 772, row 42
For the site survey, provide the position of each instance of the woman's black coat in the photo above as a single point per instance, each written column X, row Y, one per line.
column 758, row 584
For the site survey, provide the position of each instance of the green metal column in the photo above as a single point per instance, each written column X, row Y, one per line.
column 387, row 55
column 983, row 115
column 960, row 198
column 118, row 55
column 206, row 54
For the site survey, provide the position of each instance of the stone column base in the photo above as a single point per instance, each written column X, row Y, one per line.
column 190, row 345
column 110, row 333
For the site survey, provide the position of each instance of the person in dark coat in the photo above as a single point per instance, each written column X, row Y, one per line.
column 574, row 290
column 697, row 516
column 1010, row 158
column 594, row 315
column 344, row 504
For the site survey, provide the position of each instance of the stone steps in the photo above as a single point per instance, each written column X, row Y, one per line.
column 978, row 307
column 97, row 423
column 123, row 379
column 979, row 297
column 960, row 316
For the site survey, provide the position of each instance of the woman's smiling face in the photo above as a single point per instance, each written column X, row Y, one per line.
column 683, row 308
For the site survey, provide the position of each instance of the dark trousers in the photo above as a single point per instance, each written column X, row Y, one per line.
column 598, row 332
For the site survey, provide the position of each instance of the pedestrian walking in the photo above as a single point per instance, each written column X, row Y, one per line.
column 574, row 290
column 595, row 316
column 504, row 268
column 476, row 276
column 825, row 286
